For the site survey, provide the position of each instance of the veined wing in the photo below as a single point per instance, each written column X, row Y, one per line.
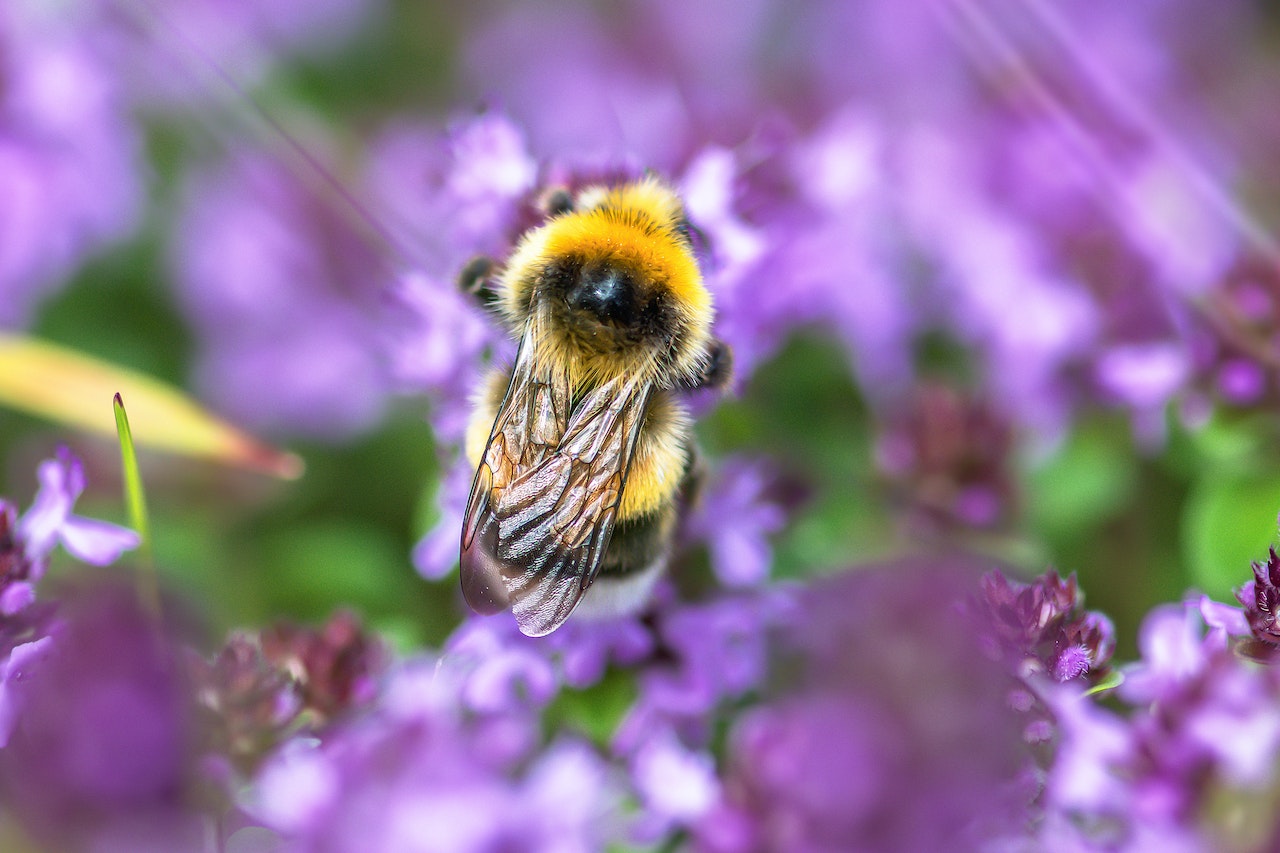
column 546, row 494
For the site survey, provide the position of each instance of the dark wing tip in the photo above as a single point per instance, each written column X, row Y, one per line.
column 483, row 586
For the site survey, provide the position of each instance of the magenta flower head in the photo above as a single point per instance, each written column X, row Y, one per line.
column 1043, row 627
column 98, row 755
column 1261, row 599
column 890, row 731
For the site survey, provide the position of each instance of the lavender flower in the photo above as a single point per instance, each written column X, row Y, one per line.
column 287, row 299
column 502, row 668
column 69, row 157
column 25, row 545
column 1261, row 597
column 50, row 521
column 99, row 751
column 735, row 514
column 460, row 189
column 261, row 688
column 947, row 458
column 1201, row 728
column 854, row 742
column 1043, row 627
column 437, row 779
column 18, row 571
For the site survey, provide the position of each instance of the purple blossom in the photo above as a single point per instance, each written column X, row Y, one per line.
column 1261, row 598
column 69, row 157
column 49, row 520
column 677, row 786
column 459, row 190
column 25, row 545
column 262, row 687
column 436, row 554
column 161, row 51
column 501, row 668
column 1042, row 627
column 947, row 458
column 710, row 654
column 735, row 516
column 286, row 297
column 851, row 746
column 438, row 349
column 18, row 571
column 99, row 750
column 1201, row 723
column 430, row 774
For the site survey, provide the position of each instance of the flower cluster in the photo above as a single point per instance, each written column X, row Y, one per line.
column 1010, row 223
column 1042, row 627
column 773, row 717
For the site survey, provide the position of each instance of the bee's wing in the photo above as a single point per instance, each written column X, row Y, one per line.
column 546, row 494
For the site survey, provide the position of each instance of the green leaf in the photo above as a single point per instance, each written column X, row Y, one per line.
column 135, row 500
column 67, row 387
column 596, row 711
column 1228, row 522
column 135, row 497
column 1113, row 680
column 1087, row 480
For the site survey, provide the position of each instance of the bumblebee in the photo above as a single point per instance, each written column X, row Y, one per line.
column 583, row 449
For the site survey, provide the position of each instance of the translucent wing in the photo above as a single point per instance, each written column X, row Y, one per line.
column 546, row 494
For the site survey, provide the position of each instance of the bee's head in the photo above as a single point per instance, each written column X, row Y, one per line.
column 615, row 283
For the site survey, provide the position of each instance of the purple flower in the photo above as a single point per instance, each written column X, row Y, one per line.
column 710, row 654
column 735, row 516
column 161, row 51
column 49, row 519
column 1261, row 598
column 677, row 786
column 69, row 157
column 286, row 297
column 947, row 458
column 459, row 190
column 436, row 554
column 99, row 751
column 14, row 669
column 500, row 668
column 431, row 774
column 1201, row 724
column 889, row 730
column 262, row 687
column 18, row 571
column 25, row 545
column 1043, row 627
column 438, row 347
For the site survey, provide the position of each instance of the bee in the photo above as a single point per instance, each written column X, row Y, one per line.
column 583, row 449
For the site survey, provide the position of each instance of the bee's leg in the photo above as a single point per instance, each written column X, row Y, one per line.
column 693, row 479
column 476, row 279
column 717, row 371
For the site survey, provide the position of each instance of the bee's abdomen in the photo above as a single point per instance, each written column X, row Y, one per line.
column 638, row 543
column 660, row 460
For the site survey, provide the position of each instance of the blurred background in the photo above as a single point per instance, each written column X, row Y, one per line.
column 1000, row 276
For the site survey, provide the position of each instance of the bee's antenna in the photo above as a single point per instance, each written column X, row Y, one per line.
column 306, row 165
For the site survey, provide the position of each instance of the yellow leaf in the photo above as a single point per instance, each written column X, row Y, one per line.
column 65, row 386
